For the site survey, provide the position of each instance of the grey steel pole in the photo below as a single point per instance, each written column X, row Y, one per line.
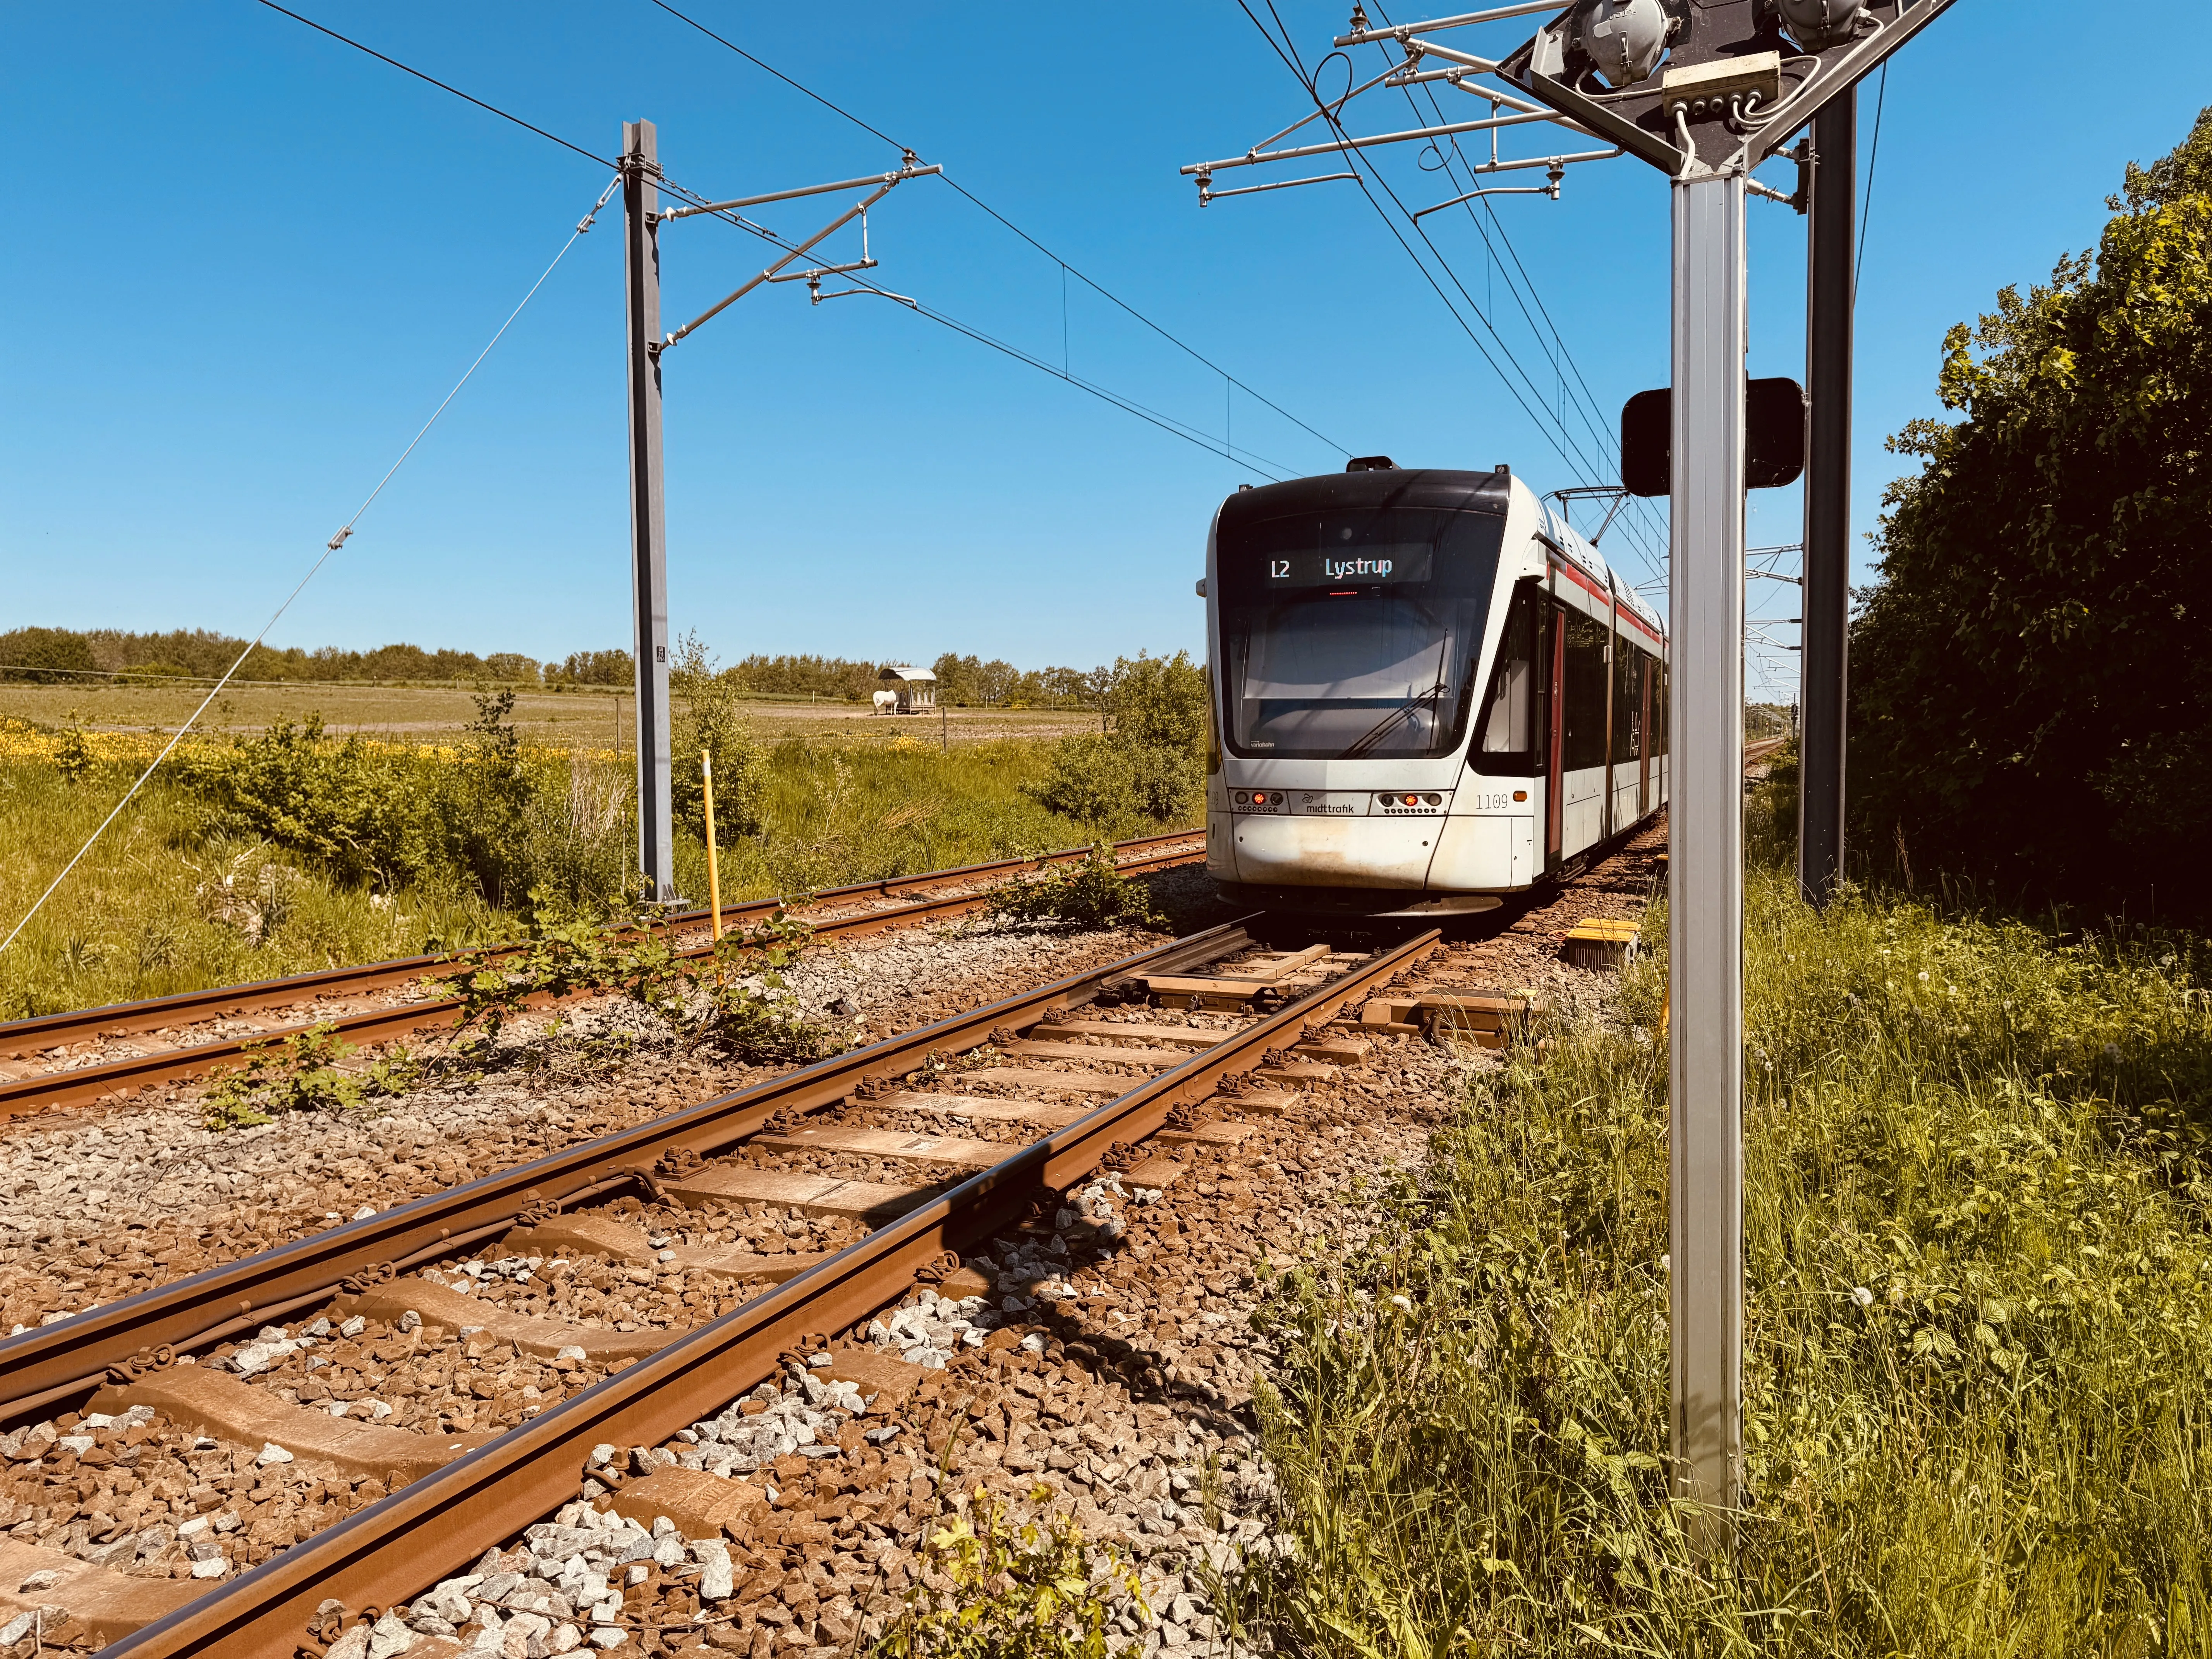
column 1825, row 663
column 656, row 856
column 1706, row 843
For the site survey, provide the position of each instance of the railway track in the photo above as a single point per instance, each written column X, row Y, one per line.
column 200, row 1031
column 826, row 1194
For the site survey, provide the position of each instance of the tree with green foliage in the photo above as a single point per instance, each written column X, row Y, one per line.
column 594, row 668
column 2031, row 687
column 1150, row 761
column 705, row 716
column 44, row 656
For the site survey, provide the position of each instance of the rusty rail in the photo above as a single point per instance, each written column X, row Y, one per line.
column 93, row 1083
column 54, row 1361
column 393, row 1549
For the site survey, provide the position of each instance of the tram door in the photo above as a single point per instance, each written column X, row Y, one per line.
column 1555, row 703
column 1643, row 727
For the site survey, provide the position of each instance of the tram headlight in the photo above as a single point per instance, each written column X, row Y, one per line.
column 1243, row 798
column 1434, row 800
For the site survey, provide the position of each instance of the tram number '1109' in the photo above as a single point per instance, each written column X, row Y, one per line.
column 1498, row 803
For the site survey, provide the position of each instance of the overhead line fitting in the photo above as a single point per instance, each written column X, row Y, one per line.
column 1067, row 270
column 884, row 184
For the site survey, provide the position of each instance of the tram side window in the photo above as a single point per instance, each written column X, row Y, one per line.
column 1660, row 707
column 1627, row 701
column 1586, row 688
column 1508, row 743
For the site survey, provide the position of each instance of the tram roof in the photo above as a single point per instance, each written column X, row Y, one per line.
column 1377, row 487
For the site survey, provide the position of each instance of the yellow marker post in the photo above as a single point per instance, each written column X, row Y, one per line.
column 713, row 868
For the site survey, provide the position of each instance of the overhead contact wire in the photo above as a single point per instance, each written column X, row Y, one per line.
column 329, row 549
column 1096, row 287
column 494, row 109
column 1585, row 403
column 1560, row 442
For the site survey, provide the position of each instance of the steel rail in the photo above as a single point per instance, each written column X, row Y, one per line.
column 394, row 1548
column 44, row 1091
column 49, row 1364
column 154, row 1013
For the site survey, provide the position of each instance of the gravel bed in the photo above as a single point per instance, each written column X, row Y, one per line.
column 1104, row 1373
column 118, row 1201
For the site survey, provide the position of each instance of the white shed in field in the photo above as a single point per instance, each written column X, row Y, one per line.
column 915, row 688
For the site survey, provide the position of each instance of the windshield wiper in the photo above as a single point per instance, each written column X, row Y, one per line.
column 1381, row 729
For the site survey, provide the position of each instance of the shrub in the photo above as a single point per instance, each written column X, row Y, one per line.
column 1093, row 893
column 492, row 817
column 303, row 1072
column 1151, row 764
column 1109, row 783
column 706, row 716
column 354, row 809
column 1159, row 702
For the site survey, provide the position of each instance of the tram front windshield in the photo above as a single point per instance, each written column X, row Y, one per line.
column 1351, row 635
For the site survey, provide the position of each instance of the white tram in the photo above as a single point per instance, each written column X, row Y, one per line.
column 1428, row 692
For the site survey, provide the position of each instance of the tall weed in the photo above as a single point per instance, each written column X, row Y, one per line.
column 999, row 1590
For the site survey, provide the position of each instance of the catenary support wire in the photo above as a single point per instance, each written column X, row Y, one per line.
column 1167, row 423
column 494, row 109
column 701, row 203
column 345, row 531
column 1643, row 520
column 1067, row 269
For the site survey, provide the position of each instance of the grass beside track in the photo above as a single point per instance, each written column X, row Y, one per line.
column 164, row 904
column 1977, row 1368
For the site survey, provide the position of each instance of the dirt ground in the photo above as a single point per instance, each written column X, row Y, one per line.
column 587, row 719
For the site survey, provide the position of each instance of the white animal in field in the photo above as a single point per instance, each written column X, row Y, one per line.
column 886, row 703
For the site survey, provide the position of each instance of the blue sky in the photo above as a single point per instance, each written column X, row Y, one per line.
column 250, row 261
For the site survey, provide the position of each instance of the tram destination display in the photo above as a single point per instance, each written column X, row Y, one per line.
column 1390, row 563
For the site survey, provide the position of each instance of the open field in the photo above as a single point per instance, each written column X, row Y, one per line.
column 587, row 718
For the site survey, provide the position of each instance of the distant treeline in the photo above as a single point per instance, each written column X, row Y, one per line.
column 57, row 655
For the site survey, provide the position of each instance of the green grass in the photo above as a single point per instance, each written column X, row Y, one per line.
column 162, row 905
column 1978, row 1326
column 147, row 913
column 838, row 813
